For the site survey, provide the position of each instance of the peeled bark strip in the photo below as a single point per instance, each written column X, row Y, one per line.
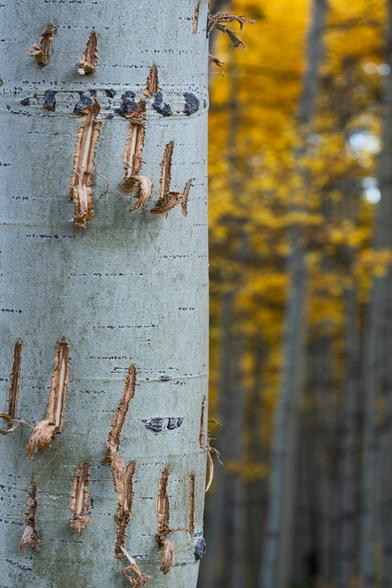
column 171, row 199
column 191, row 514
column 113, row 441
column 125, row 501
column 201, row 436
column 133, row 159
column 152, row 82
column 196, row 18
column 15, row 381
column 139, row 578
column 54, row 422
column 42, row 54
column 164, row 183
column 30, row 534
column 80, row 498
column 163, row 530
column 89, row 61
column 83, row 177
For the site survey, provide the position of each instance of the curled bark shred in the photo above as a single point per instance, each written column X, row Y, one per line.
column 217, row 61
column 139, row 579
column 41, row 437
column 10, row 422
column 171, row 199
column 143, row 193
column 42, row 53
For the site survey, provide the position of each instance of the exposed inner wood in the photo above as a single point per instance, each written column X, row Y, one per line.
column 191, row 515
column 43, row 432
column 15, row 380
column 138, row 578
column 113, row 441
column 30, row 534
column 89, row 61
column 196, row 18
column 152, row 82
column 43, row 53
column 80, row 498
column 83, row 176
column 163, row 530
column 125, row 500
column 164, row 183
column 169, row 199
column 201, row 436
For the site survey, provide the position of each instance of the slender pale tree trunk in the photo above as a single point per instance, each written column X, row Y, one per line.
column 276, row 564
column 128, row 290
column 376, row 371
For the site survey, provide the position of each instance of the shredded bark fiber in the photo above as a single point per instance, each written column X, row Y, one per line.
column 133, row 160
column 163, row 530
column 83, row 176
column 113, row 441
column 152, row 82
column 215, row 21
column 42, row 54
column 43, row 432
column 80, row 498
column 30, row 534
column 196, row 18
column 89, row 61
column 139, row 579
column 125, row 501
column 15, row 381
column 169, row 199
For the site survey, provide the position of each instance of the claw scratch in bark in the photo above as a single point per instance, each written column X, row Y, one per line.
column 167, row 199
column 152, row 82
column 42, row 54
column 54, row 422
column 138, row 578
column 191, row 515
column 80, row 498
column 15, row 381
column 30, row 534
column 89, row 61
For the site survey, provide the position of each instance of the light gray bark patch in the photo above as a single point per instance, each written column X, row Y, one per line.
column 128, row 104
column 159, row 106
column 200, row 548
column 85, row 101
column 192, row 103
column 50, row 100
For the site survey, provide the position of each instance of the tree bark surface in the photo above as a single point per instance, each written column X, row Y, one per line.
column 129, row 289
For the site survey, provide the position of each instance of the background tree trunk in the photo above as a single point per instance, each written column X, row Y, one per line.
column 275, row 568
column 131, row 288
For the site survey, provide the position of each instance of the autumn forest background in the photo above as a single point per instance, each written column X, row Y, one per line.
column 300, row 190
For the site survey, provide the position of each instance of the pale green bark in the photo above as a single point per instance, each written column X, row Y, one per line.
column 130, row 288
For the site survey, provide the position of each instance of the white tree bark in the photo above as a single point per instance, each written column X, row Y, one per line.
column 129, row 289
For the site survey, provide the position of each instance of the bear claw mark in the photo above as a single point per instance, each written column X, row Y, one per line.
column 167, row 199
column 15, row 381
column 86, row 145
column 80, row 498
column 30, row 534
column 43, row 432
column 89, row 61
column 139, row 578
column 42, row 54
column 152, row 82
column 113, row 441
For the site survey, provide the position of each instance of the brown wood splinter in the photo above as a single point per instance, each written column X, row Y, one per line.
column 15, row 381
column 138, row 578
column 83, row 177
column 152, row 82
column 168, row 199
column 43, row 53
column 191, row 514
column 80, row 498
column 43, row 432
column 89, row 61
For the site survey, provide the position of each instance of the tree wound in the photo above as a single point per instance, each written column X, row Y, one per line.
column 88, row 63
column 42, row 53
column 80, row 498
column 15, row 381
column 30, row 534
column 152, row 82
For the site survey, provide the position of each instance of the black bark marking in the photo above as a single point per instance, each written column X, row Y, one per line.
column 192, row 103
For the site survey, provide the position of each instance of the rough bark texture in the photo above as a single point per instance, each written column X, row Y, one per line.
column 130, row 288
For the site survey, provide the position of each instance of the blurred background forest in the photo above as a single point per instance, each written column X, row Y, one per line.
column 301, row 297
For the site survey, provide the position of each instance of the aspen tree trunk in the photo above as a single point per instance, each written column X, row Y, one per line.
column 128, row 290
column 376, row 370
column 276, row 564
